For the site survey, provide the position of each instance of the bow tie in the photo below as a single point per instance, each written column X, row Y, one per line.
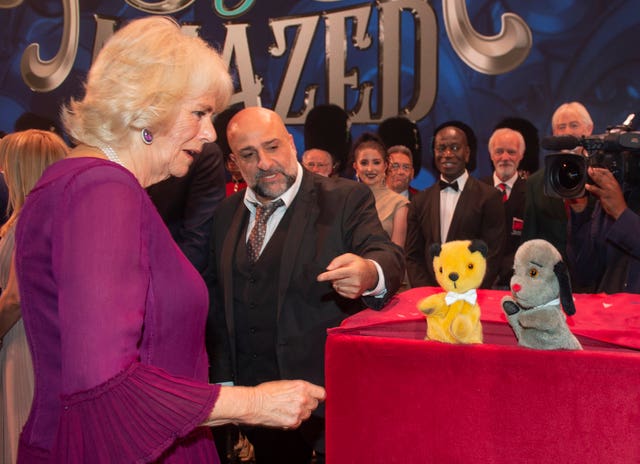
column 444, row 184
column 555, row 302
column 469, row 296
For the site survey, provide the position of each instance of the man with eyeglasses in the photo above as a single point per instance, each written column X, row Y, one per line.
column 400, row 172
column 457, row 207
column 318, row 161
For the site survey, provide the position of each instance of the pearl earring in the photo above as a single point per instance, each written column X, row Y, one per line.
column 147, row 136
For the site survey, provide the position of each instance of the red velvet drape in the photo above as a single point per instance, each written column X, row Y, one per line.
column 394, row 398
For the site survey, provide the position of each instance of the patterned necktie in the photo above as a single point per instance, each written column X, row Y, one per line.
column 256, row 237
column 503, row 188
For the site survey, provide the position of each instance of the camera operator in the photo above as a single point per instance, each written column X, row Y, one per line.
column 546, row 217
column 604, row 241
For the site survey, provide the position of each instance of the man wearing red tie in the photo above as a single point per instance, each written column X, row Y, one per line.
column 458, row 207
column 506, row 148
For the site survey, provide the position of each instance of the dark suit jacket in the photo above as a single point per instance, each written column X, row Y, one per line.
column 604, row 254
column 186, row 204
column 547, row 218
column 513, row 209
column 544, row 217
column 479, row 214
column 330, row 216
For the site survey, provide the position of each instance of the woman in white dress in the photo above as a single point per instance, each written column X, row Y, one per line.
column 23, row 157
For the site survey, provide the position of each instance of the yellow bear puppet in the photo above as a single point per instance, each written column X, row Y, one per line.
column 454, row 316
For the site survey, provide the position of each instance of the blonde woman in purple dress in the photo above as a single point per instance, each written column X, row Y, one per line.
column 114, row 312
column 23, row 158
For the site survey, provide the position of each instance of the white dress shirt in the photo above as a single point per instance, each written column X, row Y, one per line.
column 509, row 183
column 287, row 197
column 448, row 201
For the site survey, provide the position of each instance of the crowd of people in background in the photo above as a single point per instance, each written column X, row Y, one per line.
column 121, row 227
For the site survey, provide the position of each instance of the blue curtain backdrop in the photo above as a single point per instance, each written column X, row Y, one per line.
column 580, row 50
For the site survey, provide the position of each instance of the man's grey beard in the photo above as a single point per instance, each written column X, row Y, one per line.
column 290, row 179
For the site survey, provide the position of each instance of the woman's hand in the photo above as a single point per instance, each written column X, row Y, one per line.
column 281, row 403
column 284, row 403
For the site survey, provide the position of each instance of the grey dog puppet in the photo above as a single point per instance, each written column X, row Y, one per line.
column 540, row 286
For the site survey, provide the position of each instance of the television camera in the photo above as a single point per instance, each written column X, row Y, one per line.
column 618, row 150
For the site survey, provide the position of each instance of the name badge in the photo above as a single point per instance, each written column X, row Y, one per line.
column 516, row 226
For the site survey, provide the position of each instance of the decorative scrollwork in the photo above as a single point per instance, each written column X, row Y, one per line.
column 44, row 76
column 240, row 8
column 161, row 7
column 491, row 55
column 10, row 3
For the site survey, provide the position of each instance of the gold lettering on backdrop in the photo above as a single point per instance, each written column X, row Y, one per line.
column 486, row 54
column 295, row 65
column 237, row 43
column 425, row 43
column 105, row 27
column 491, row 55
column 425, row 59
column 338, row 77
column 44, row 76
column 192, row 30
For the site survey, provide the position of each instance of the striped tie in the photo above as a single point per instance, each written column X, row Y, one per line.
column 503, row 188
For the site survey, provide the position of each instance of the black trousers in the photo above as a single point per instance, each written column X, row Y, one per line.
column 277, row 446
column 225, row 437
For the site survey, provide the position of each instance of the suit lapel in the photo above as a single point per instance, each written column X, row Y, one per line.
column 434, row 214
column 466, row 197
column 303, row 211
column 234, row 234
column 517, row 196
column 520, row 189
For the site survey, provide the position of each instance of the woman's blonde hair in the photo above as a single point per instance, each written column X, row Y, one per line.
column 140, row 77
column 23, row 158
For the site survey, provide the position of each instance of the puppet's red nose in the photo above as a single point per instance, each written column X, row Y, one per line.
column 516, row 288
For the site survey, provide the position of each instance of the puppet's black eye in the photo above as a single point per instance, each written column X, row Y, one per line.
column 533, row 272
column 440, row 270
column 470, row 265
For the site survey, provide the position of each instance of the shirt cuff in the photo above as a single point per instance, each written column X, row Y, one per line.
column 380, row 290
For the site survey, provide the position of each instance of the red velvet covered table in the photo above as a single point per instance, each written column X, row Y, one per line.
column 393, row 397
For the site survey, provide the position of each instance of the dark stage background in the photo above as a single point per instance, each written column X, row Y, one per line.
column 376, row 59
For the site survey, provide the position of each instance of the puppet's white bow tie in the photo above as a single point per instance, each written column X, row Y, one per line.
column 470, row 296
column 555, row 302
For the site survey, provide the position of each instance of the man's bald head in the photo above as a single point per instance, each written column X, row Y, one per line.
column 254, row 116
column 264, row 151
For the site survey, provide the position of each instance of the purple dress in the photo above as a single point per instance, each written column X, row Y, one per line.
column 115, row 317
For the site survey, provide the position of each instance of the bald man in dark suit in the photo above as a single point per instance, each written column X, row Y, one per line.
column 324, row 257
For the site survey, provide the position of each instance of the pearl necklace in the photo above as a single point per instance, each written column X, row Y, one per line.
column 110, row 154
